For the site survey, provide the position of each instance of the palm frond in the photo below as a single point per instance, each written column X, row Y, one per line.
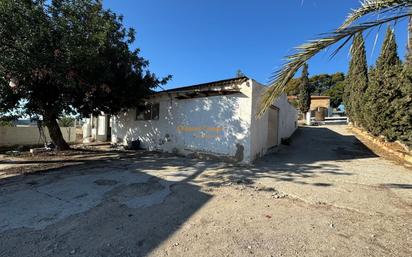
column 280, row 78
column 375, row 6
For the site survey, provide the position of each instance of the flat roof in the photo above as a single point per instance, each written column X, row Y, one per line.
column 205, row 85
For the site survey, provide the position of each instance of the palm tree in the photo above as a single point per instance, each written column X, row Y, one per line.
column 382, row 12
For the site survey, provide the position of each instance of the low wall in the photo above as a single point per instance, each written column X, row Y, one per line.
column 395, row 149
column 30, row 135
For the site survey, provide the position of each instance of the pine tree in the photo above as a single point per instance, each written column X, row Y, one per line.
column 357, row 81
column 381, row 113
column 304, row 90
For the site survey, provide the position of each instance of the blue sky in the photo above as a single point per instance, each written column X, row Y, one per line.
column 204, row 40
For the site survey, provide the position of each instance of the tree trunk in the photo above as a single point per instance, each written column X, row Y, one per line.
column 56, row 135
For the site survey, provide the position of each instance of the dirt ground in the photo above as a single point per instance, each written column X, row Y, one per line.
column 326, row 194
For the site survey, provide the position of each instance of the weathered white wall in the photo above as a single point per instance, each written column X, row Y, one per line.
column 259, row 128
column 96, row 128
column 288, row 117
column 217, row 125
column 30, row 135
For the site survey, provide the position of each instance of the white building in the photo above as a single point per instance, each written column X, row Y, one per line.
column 97, row 128
column 215, row 120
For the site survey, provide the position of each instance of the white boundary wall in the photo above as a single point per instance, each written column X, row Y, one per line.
column 30, row 135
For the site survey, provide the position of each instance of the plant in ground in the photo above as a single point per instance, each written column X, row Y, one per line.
column 63, row 57
column 304, row 91
column 357, row 81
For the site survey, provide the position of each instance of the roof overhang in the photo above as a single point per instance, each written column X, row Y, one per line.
column 217, row 88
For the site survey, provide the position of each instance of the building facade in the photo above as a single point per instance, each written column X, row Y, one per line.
column 216, row 120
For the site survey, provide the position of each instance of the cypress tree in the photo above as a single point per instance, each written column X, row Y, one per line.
column 389, row 54
column 346, row 94
column 357, row 80
column 304, row 90
column 403, row 106
column 371, row 96
column 381, row 113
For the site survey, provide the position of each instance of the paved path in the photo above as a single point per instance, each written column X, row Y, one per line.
column 329, row 165
column 343, row 201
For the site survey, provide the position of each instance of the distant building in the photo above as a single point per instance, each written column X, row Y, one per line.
column 318, row 104
column 316, row 101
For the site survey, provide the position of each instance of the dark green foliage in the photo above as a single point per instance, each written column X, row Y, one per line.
column 292, row 87
column 323, row 82
column 403, row 107
column 67, row 57
column 381, row 102
column 371, row 103
column 6, row 123
column 304, row 91
column 357, row 81
column 384, row 91
column 319, row 84
column 336, row 94
column 346, row 96
column 66, row 121
column 389, row 53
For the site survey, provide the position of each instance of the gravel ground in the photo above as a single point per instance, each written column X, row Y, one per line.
column 323, row 195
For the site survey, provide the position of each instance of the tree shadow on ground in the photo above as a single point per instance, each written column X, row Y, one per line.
column 398, row 186
column 314, row 151
column 66, row 210
column 113, row 228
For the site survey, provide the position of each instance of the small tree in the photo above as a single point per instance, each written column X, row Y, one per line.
column 304, row 90
column 239, row 74
column 6, row 123
column 66, row 121
column 68, row 57
column 357, row 81
column 336, row 94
